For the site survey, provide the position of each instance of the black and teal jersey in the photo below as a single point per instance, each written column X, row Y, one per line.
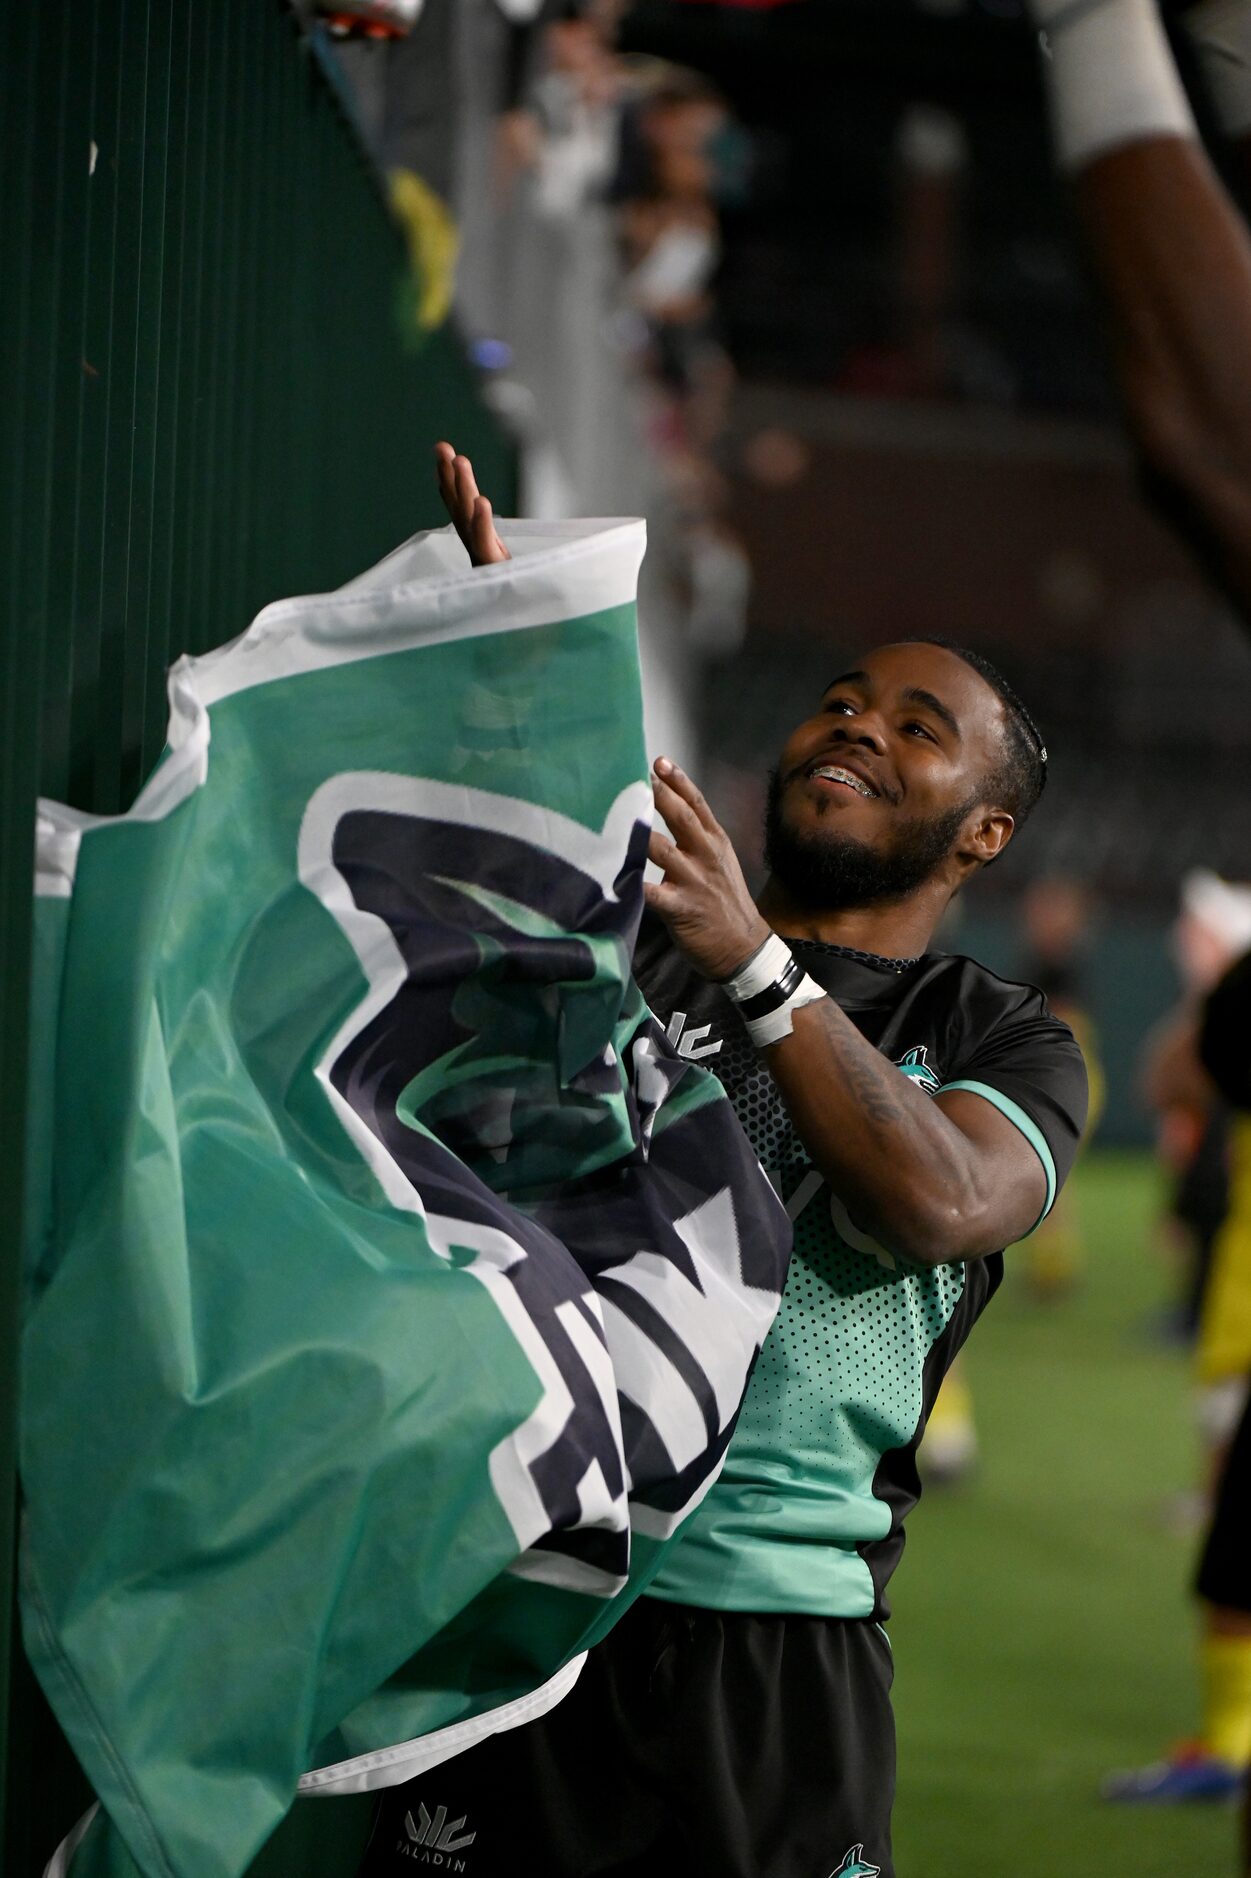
column 807, row 1515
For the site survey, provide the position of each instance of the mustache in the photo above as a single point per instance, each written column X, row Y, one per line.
column 802, row 770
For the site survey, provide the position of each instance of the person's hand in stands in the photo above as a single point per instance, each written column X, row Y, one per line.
column 470, row 512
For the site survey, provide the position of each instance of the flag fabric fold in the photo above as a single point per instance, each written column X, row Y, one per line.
column 391, row 1283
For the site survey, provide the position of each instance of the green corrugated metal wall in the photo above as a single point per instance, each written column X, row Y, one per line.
column 207, row 403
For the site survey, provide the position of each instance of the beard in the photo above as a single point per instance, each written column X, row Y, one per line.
column 825, row 869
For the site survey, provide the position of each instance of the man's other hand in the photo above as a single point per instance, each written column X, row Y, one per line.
column 470, row 512
column 703, row 898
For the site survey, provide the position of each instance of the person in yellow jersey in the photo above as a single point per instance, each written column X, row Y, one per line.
column 1223, row 1582
column 1213, row 1765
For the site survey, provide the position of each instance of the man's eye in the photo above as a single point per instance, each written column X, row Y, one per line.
column 842, row 704
column 922, row 729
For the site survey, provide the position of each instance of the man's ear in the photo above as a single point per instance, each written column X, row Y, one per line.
column 986, row 837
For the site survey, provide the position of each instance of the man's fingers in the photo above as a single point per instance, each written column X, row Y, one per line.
column 457, row 485
column 470, row 512
column 444, row 459
column 466, row 485
column 681, row 784
column 482, row 531
column 678, row 814
column 445, row 470
column 487, row 545
column 665, row 853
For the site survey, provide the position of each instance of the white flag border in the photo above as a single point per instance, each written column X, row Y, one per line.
column 561, row 570
column 387, row 1767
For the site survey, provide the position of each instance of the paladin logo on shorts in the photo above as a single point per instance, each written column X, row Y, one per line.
column 856, row 1865
column 432, row 1841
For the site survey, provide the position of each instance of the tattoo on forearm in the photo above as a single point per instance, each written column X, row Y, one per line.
column 865, row 1078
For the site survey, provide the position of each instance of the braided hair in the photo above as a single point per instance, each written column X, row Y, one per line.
column 1020, row 777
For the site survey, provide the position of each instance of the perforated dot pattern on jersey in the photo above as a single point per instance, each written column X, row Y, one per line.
column 840, row 1372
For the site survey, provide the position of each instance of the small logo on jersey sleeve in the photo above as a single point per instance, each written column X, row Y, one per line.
column 914, row 1064
column 856, row 1865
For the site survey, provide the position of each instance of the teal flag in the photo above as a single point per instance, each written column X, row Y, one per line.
column 392, row 1285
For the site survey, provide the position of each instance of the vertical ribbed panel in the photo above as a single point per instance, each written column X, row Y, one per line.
column 208, row 404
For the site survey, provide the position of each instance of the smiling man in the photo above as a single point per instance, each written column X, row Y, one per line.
column 916, row 1113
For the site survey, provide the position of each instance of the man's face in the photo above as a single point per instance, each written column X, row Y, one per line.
column 871, row 796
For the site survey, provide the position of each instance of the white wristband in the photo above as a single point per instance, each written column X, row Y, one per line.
column 762, row 969
column 780, row 1023
column 1110, row 75
column 769, row 989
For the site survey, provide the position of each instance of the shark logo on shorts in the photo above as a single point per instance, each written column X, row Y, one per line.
column 856, row 1865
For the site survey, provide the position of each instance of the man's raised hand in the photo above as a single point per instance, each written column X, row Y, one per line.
column 703, row 898
column 470, row 512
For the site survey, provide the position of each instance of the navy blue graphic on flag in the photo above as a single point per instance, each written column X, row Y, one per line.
column 487, row 1078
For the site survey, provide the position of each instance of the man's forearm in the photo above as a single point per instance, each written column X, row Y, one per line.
column 1168, row 252
column 902, row 1168
column 1171, row 259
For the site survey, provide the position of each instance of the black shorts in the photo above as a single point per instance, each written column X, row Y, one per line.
column 708, row 1743
column 1225, row 1567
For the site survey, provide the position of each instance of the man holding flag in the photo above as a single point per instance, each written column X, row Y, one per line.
column 916, row 1114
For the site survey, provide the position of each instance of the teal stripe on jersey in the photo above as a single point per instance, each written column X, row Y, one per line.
column 1032, row 1132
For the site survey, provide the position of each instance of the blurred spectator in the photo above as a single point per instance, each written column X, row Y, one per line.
column 930, row 349
column 1056, row 914
column 949, row 1447
column 566, row 131
column 1222, row 914
column 608, row 176
column 1216, row 929
column 1213, row 926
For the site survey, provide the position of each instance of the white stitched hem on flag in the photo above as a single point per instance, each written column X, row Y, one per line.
column 560, row 571
column 58, row 1864
column 387, row 1767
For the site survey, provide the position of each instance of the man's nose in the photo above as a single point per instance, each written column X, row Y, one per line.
column 868, row 729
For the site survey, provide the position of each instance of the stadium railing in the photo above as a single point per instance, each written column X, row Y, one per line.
column 212, row 400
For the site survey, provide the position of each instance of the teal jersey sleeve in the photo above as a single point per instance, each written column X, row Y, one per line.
column 1030, row 1068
